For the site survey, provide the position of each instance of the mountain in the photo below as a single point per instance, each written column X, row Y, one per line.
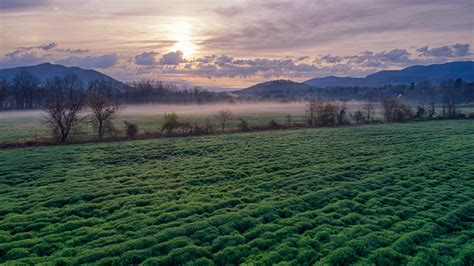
column 47, row 71
column 274, row 89
column 433, row 73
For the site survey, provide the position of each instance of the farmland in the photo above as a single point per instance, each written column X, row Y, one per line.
column 388, row 194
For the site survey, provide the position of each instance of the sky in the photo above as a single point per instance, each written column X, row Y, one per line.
column 234, row 44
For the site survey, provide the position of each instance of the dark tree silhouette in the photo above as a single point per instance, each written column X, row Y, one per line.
column 223, row 117
column 104, row 111
column 24, row 86
column 64, row 102
column 3, row 94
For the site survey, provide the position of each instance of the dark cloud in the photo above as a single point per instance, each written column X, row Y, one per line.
column 456, row 50
column 72, row 51
column 103, row 61
column 48, row 46
column 8, row 5
column 20, row 59
column 172, row 58
column 329, row 59
column 43, row 47
column 146, row 58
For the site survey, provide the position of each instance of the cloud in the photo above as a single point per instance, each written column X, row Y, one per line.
column 103, row 61
column 306, row 24
column 21, row 4
column 146, row 58
column 330, row 59
column 20, row 59
column 43, row 48
column 72, row 51
column 48, row 46
column 172, row 65
column 456, row 50
column 172, row 58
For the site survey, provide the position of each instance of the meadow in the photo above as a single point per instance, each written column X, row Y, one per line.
column 392, row 194
column 30, row 125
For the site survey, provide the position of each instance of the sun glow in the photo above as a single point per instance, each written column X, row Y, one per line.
column 187, row 48
column 181, row 33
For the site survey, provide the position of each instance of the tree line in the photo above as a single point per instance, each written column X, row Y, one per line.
column 26, row 91
column 423, row 92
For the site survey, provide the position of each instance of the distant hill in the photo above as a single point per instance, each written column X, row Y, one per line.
column 433, row 73
column 47, row 71
column 275, row 89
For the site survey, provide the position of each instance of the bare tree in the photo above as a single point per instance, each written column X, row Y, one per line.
column 104, row 111
column 311, row 109
column 358, row 117
column 289, row 120
column 395, row 110
column 369, row 109
column 24, row 86
column 322, row 113
column 341, row 113
column 64, row 102
column 431, row 110
column 3, row 94
column 223, row 116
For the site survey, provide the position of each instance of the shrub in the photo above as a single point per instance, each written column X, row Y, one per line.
column 243, row 125
column 169, row 122
column 273, row 125
column 131, row 130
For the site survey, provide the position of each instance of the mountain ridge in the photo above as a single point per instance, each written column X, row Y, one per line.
column 46, row 71
column 434, row 73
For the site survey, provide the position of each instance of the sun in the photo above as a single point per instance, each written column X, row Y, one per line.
column 188, row 48
column 181, row 32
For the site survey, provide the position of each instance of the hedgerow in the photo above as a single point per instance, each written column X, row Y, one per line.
column 370, row 195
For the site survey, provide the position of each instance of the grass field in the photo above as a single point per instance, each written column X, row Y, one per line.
column 389, row 194
column 20, row 126
column 30, row 125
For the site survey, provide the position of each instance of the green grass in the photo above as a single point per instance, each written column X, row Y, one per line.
column 14, row 129
column 369, row 195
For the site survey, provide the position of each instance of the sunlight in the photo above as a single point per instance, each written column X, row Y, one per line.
column 187, row 48
column 181, row 33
